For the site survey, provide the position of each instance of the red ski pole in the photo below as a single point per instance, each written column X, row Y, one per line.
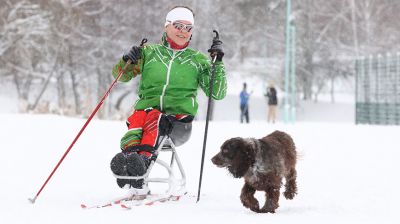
column 32, row 200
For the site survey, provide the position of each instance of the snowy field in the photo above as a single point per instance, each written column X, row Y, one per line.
column 346, row 174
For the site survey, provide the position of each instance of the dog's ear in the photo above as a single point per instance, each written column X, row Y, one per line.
column 249, row 149
column 230, row 147
column 243, row 157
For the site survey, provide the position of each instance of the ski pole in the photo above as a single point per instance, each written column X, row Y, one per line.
column 207, row 118
column 33, row 200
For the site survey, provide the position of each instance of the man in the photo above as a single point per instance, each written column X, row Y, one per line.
column 171, row 73
column 244, row 104
column 272, row 102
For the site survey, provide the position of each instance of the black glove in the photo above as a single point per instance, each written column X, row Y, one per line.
column 216, row 47
column 134, row 55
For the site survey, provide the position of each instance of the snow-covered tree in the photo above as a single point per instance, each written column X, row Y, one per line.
column 63, row 51
column 24, row 30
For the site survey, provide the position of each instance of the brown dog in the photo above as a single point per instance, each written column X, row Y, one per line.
column 263, row 163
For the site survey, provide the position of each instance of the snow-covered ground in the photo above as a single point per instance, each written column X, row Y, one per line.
column 346, row 174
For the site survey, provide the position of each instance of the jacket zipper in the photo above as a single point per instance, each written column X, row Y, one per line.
column 167, row 82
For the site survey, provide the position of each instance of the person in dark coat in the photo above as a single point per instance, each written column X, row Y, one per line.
column 272, row 102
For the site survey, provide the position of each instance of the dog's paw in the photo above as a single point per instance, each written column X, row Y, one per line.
column 251, row 203
column 269, row 207
column 255, row 208
column 266, row 210
column 289, row 194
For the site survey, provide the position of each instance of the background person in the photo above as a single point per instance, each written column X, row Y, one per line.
column 272, row 102
column 244, row 104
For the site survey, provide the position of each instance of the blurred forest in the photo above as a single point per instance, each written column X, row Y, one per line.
column 65, row 49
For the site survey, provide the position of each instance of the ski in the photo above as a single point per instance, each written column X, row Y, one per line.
column 106, row 204
column 162, row 200
column 113, row 202
column 129, row 202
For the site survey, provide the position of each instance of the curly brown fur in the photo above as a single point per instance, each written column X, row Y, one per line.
column 263, row 163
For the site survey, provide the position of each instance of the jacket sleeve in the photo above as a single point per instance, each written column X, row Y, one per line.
column 219, row 86
column 131, row 71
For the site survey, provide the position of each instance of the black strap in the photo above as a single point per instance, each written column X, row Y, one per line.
column 187, row 119
column 137, row 148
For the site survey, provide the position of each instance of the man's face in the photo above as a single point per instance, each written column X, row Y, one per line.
column 179, row 31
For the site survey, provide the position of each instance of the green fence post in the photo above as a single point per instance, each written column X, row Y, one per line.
column 386, row 90
column 378, row 90
column 368, row 91
column 287, row 60
column 397, row 81
column 293, row 74
column 356, row 109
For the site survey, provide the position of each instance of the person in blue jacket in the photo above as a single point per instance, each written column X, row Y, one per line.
column 244, row 104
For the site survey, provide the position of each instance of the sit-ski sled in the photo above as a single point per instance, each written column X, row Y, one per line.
column 176, row 179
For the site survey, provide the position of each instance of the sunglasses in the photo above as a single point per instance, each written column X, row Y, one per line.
column 181, row 26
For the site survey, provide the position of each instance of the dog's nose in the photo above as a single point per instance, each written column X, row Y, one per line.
column 215, row 160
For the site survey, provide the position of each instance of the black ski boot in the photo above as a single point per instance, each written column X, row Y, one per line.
column 118, row 167
column 136, row 166
column 131, row 164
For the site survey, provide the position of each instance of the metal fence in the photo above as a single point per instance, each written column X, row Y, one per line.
column 377, row 90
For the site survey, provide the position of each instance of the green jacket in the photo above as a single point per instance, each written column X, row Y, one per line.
column 170, row 78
